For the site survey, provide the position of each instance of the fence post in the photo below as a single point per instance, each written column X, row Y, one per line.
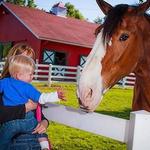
column 123, row 82
column 49, row 75
column 139, row 131
column 36, row 68
column 78, row 74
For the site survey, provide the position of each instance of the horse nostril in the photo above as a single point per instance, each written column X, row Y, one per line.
column 80, row 103
column 91, row 92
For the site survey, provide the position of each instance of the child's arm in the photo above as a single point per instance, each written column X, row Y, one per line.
column 48, row 98
column 57, row 96
column 43, row 98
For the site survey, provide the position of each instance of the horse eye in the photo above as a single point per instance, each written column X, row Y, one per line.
column 123, row 37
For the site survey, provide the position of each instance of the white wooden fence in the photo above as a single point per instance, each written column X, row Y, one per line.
column 127, row 81
column 50, row 73
column 134, row 132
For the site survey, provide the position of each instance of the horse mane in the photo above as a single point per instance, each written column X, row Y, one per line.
column 113, row 18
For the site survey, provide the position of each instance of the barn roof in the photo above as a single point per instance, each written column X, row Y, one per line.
column 54, row 28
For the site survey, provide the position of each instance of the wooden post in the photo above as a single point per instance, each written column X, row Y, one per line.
column 78, row 74
column 124, row 82
column 139, row 131
column 36, row 69
column 49, row 75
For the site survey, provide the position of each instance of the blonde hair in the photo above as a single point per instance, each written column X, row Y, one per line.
column 20, row 63
column 17, row 49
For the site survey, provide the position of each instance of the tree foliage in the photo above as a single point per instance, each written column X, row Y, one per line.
column 28, row 3
column 73, row 12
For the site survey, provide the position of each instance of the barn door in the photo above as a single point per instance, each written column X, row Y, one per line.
column 48, row 57
column 60, row 60
column 1, row 52
column 82, row 61
column 4, row 49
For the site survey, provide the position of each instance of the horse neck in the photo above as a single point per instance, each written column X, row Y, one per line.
column 141, row 98
column 143, row 67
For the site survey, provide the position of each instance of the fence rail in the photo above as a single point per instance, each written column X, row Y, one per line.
column 133, row 132
column 51, row 73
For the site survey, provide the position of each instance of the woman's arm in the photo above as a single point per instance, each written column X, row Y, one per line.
column 42, row 125
column 8, row 113
column 44, row 118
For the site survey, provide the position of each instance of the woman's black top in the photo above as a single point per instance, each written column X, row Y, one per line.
column 8, row 113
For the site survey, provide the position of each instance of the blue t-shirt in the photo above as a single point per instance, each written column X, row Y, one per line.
column 17, row 92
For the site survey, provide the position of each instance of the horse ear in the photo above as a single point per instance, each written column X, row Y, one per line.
column 105, row 7
column 143, row 7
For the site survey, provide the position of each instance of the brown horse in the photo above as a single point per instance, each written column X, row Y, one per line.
column 122, row 46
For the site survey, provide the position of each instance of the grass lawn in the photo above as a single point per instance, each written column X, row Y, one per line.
column 116, row 102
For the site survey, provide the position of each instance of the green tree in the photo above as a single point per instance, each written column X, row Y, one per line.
column 17, row 2
column 28, row 3
column 73, row 12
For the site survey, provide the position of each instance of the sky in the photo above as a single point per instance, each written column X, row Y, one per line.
column 88, row 8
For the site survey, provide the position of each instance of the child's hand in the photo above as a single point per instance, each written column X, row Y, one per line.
column 61, row 94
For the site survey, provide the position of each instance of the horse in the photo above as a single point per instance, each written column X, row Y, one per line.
column 122, row 46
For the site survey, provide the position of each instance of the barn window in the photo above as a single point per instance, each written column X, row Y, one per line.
column 48, row 57
column 54, row 57
column 4, row 48
column 82, row 60
column 60, row 58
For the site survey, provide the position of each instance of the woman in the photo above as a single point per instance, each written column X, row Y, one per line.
column 23, row 141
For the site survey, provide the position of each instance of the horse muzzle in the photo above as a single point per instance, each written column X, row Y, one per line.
column 89, row 98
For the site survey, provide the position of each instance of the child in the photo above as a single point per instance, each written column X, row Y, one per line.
column 17, row 87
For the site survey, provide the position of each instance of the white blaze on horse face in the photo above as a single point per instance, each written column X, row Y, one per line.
column 90, row 88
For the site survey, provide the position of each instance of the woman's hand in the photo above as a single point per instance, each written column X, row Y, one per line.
column 30, row 105
column 41, row 127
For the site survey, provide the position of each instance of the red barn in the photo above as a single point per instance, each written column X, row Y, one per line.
column 56, row 40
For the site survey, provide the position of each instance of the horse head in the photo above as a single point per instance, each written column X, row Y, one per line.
column 118, row 49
